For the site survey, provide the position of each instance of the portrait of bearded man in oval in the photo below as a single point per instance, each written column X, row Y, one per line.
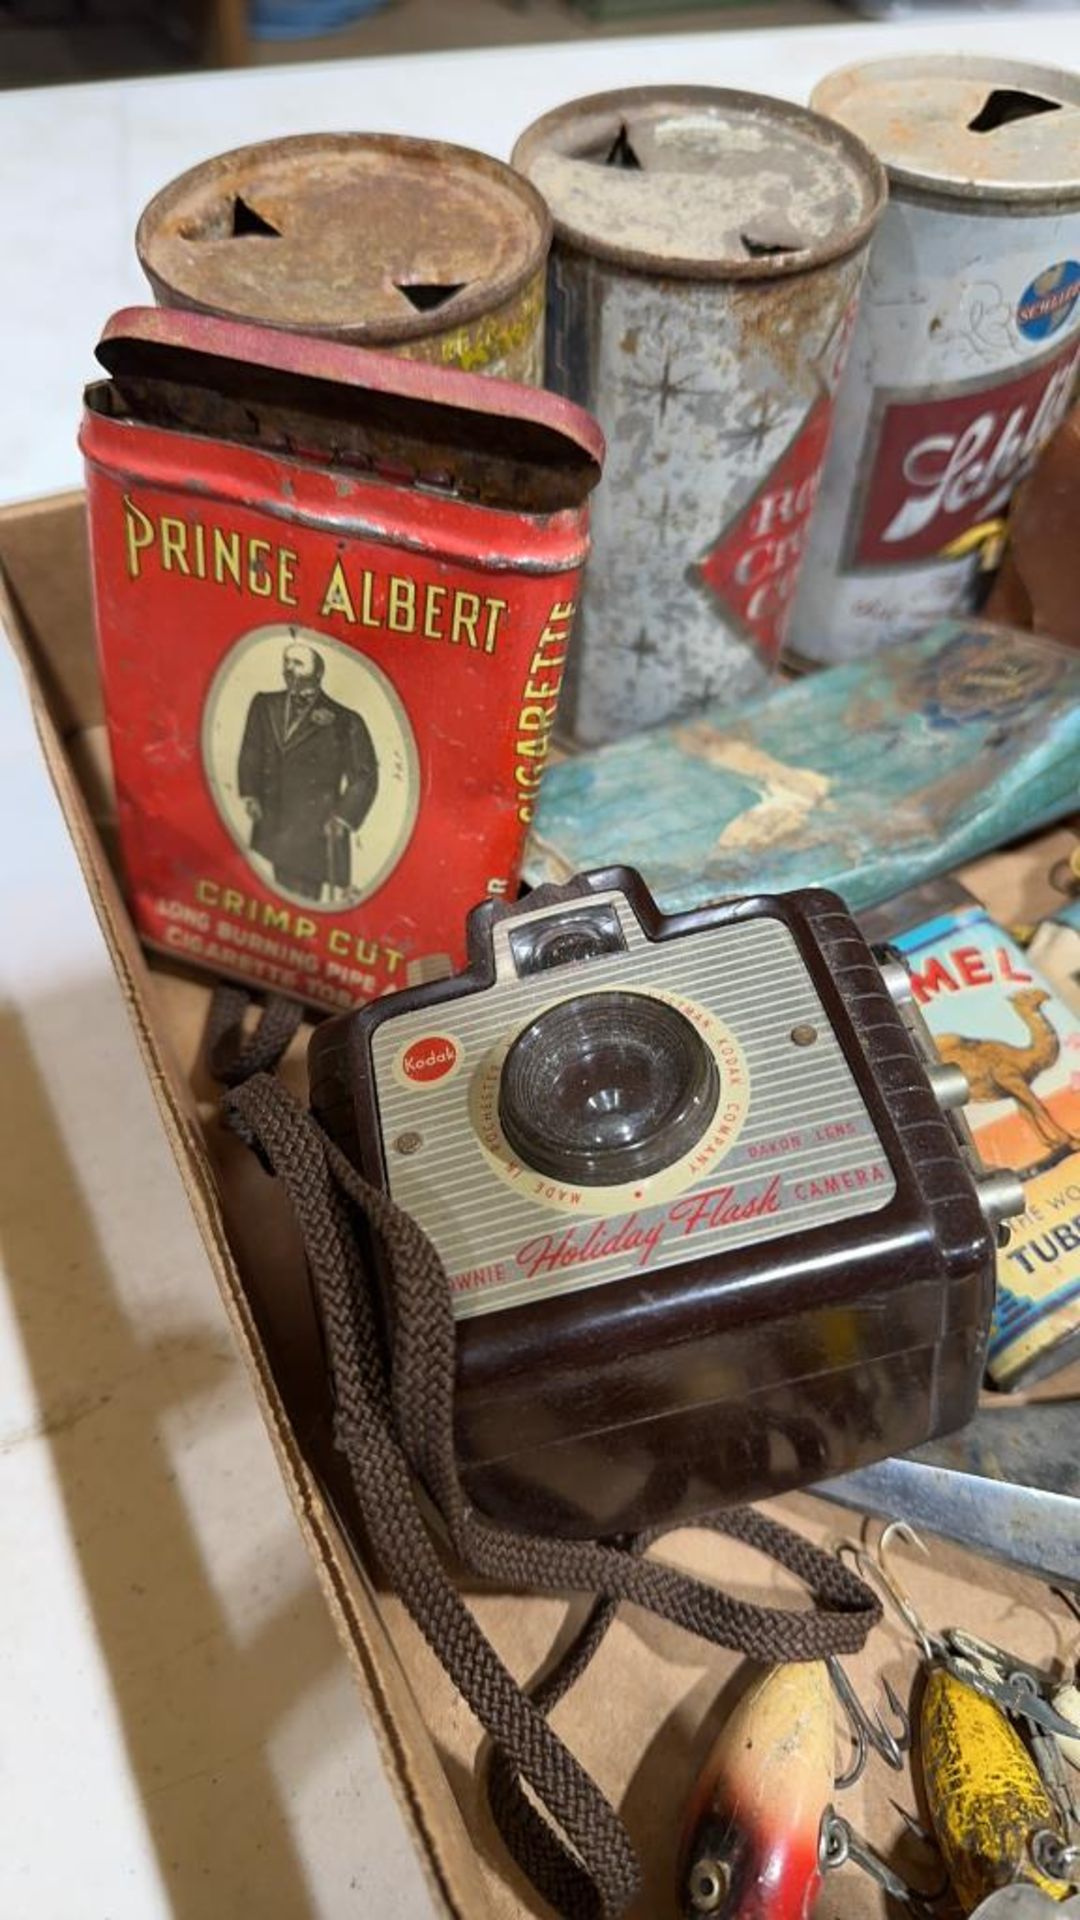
column 307, row 775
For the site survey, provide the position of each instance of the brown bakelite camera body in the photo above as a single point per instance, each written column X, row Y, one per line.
column 712, row 1226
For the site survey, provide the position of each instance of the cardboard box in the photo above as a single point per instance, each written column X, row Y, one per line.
column 644, row 1716
column 45, row 611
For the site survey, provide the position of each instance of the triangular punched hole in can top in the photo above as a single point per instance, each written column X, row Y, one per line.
column 760, row 245
column 247, row 220
column 621, row 153
column 1006, row 104
column 427, row 295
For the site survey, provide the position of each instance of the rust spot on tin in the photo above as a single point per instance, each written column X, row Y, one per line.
column 973, row 126
column 369, row 238
column 778, row 319
column 408, row 435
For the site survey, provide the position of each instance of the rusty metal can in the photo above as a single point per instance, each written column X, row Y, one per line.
column 708, row 253
column 334, row 593
column 425, row 249
column 967, row 346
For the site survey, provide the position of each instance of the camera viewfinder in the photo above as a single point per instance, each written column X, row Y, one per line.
column 566, row 939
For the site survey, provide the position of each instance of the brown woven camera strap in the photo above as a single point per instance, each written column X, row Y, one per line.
column 394, row 1423
column 233, row 1051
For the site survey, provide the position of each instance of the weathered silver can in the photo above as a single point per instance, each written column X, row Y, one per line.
column 708, row 254
column 967, row 346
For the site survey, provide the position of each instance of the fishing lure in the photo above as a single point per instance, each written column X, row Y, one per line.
column 992, row 1815
column 1027, row 1693
column 996, row 1819
column 751, row 1840
column 760, row 1830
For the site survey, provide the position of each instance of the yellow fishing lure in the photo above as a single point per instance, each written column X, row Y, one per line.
column 986, row 1798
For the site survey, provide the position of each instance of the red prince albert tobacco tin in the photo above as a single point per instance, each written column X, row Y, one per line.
column 334, row 594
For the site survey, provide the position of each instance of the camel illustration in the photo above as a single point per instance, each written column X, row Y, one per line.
column 997, row 1071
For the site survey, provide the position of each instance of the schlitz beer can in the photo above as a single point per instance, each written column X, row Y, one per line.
column 967, row 345
column 429, row 250
column 334, row 593
column 708, row 253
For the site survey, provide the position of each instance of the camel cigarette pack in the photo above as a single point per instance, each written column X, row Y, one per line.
column 334, row 592
column 993, row 1015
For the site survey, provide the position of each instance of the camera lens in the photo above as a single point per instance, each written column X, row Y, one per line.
column 605, row 1088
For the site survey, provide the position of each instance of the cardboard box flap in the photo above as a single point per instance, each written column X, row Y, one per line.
column 44, row 555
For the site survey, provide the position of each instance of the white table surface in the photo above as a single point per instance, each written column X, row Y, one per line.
column 178, row 1733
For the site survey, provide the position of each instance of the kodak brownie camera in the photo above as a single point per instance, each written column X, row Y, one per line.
column 712, row 1222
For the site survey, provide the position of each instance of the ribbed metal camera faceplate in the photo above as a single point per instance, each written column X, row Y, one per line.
column 793, row 1146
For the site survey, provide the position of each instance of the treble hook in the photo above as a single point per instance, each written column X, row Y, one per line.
column 838, row 1844
column 1020, row 1691
column 876, row 1571
column 929, row 1643
column 867, row 1733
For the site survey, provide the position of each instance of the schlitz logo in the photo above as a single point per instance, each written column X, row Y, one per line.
column 1046, row 304
column 940, row 468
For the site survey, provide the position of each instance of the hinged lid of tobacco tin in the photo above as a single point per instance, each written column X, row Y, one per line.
column 370, row 237
column 490, row 440
column 702, row 182
column 964, row 124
